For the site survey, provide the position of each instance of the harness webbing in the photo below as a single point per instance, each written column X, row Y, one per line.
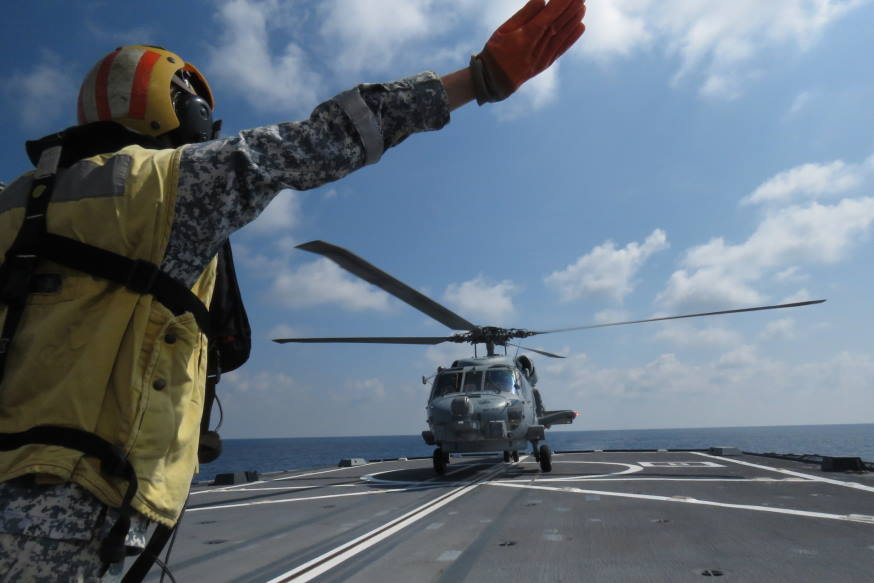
column 22, row 257
column 112, row 461
column 33, row 243
column 139, row 276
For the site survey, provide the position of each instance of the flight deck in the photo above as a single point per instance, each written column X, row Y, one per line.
column 624, row 516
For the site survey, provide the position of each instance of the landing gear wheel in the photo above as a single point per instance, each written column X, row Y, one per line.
column 515, row 456
column 506, row 456
column 545, row 458
column 439, row 461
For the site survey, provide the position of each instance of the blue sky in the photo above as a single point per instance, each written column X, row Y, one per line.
column 685, row 156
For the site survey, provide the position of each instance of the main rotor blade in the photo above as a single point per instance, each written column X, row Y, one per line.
column 543, row 352
column 372, row 340
column 792, row 305
column 372, row 274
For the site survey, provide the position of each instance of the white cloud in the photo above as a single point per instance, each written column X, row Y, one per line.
column 243, row 60
column 812, row 181
column 801, row 295
column 477, row 298
column 260, row 260
column 258, row 382
column 791, row 274
column 372, row 40
column 739, row 387
column 354, row 40
column 612, row 315
column 361, row 390
column 43, row 95
column 323, row 283
column 708, row 288
column 798, row 104
column 282, row 214
column 614, row 29
column 782, row 329
column 606, row 270
column 444, row 354
column 534, row 95
column 721, row 274
column 686, row 334
column 718, row 43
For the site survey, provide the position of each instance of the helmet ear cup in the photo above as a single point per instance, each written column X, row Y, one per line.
column 210, row 447
column 195, row 120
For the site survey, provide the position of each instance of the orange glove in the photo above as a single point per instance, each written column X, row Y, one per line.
column 525, row 45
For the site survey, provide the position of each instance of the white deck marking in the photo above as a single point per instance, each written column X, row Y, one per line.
column 680, row 465
column 238, row 487
column 296, row 476
column 281, row 489
column 374, row 478
column 286, row 500
column 229, row 488
column 448, row 556
column 315, row 567
column 854, row 485
column 696, row 501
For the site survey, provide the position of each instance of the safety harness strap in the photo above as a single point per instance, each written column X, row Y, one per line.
column 22, row 256
column 143, row 564
column 139, row 276
column 112, row 460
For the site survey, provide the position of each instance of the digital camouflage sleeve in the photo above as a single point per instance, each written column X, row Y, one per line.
column 225, row 184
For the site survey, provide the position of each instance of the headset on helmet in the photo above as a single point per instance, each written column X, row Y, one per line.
column 151, row 91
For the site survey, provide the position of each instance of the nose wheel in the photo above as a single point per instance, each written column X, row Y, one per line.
column 545, row 458
column 440, row 459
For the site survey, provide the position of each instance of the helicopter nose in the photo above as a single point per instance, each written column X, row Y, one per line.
column 461, row 406
column 515, row 413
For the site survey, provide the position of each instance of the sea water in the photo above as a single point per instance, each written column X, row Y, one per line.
column 269, row 455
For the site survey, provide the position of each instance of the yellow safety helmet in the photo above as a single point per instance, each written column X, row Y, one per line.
column 148, row 90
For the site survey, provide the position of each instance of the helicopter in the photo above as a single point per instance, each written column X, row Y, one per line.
column 484, row 403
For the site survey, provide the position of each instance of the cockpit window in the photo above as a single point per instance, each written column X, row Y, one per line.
column 473, row 380
column 496, row 380
column 499, row 381
column 447, row 382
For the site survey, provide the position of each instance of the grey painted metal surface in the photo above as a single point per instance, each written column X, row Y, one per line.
column 598, row 516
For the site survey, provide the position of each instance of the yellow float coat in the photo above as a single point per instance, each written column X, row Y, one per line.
column 94, row 355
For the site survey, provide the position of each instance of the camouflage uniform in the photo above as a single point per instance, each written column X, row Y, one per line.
column 53, row 533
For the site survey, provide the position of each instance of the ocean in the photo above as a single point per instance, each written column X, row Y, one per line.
column 269, row 455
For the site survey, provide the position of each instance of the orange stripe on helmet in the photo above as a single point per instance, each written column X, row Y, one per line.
column 100, row 86
column 140, row 88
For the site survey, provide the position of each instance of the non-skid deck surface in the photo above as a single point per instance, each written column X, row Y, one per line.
column 598, row 516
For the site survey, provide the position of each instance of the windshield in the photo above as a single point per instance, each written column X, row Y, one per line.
column 447, row 382
column 499, row 381
column 473, row 381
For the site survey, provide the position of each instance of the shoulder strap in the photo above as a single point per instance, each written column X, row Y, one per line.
column 23, row 255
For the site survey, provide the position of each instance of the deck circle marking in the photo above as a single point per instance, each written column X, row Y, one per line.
column 629, row 469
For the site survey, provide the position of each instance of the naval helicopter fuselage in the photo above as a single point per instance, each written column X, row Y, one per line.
column 489, row 403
